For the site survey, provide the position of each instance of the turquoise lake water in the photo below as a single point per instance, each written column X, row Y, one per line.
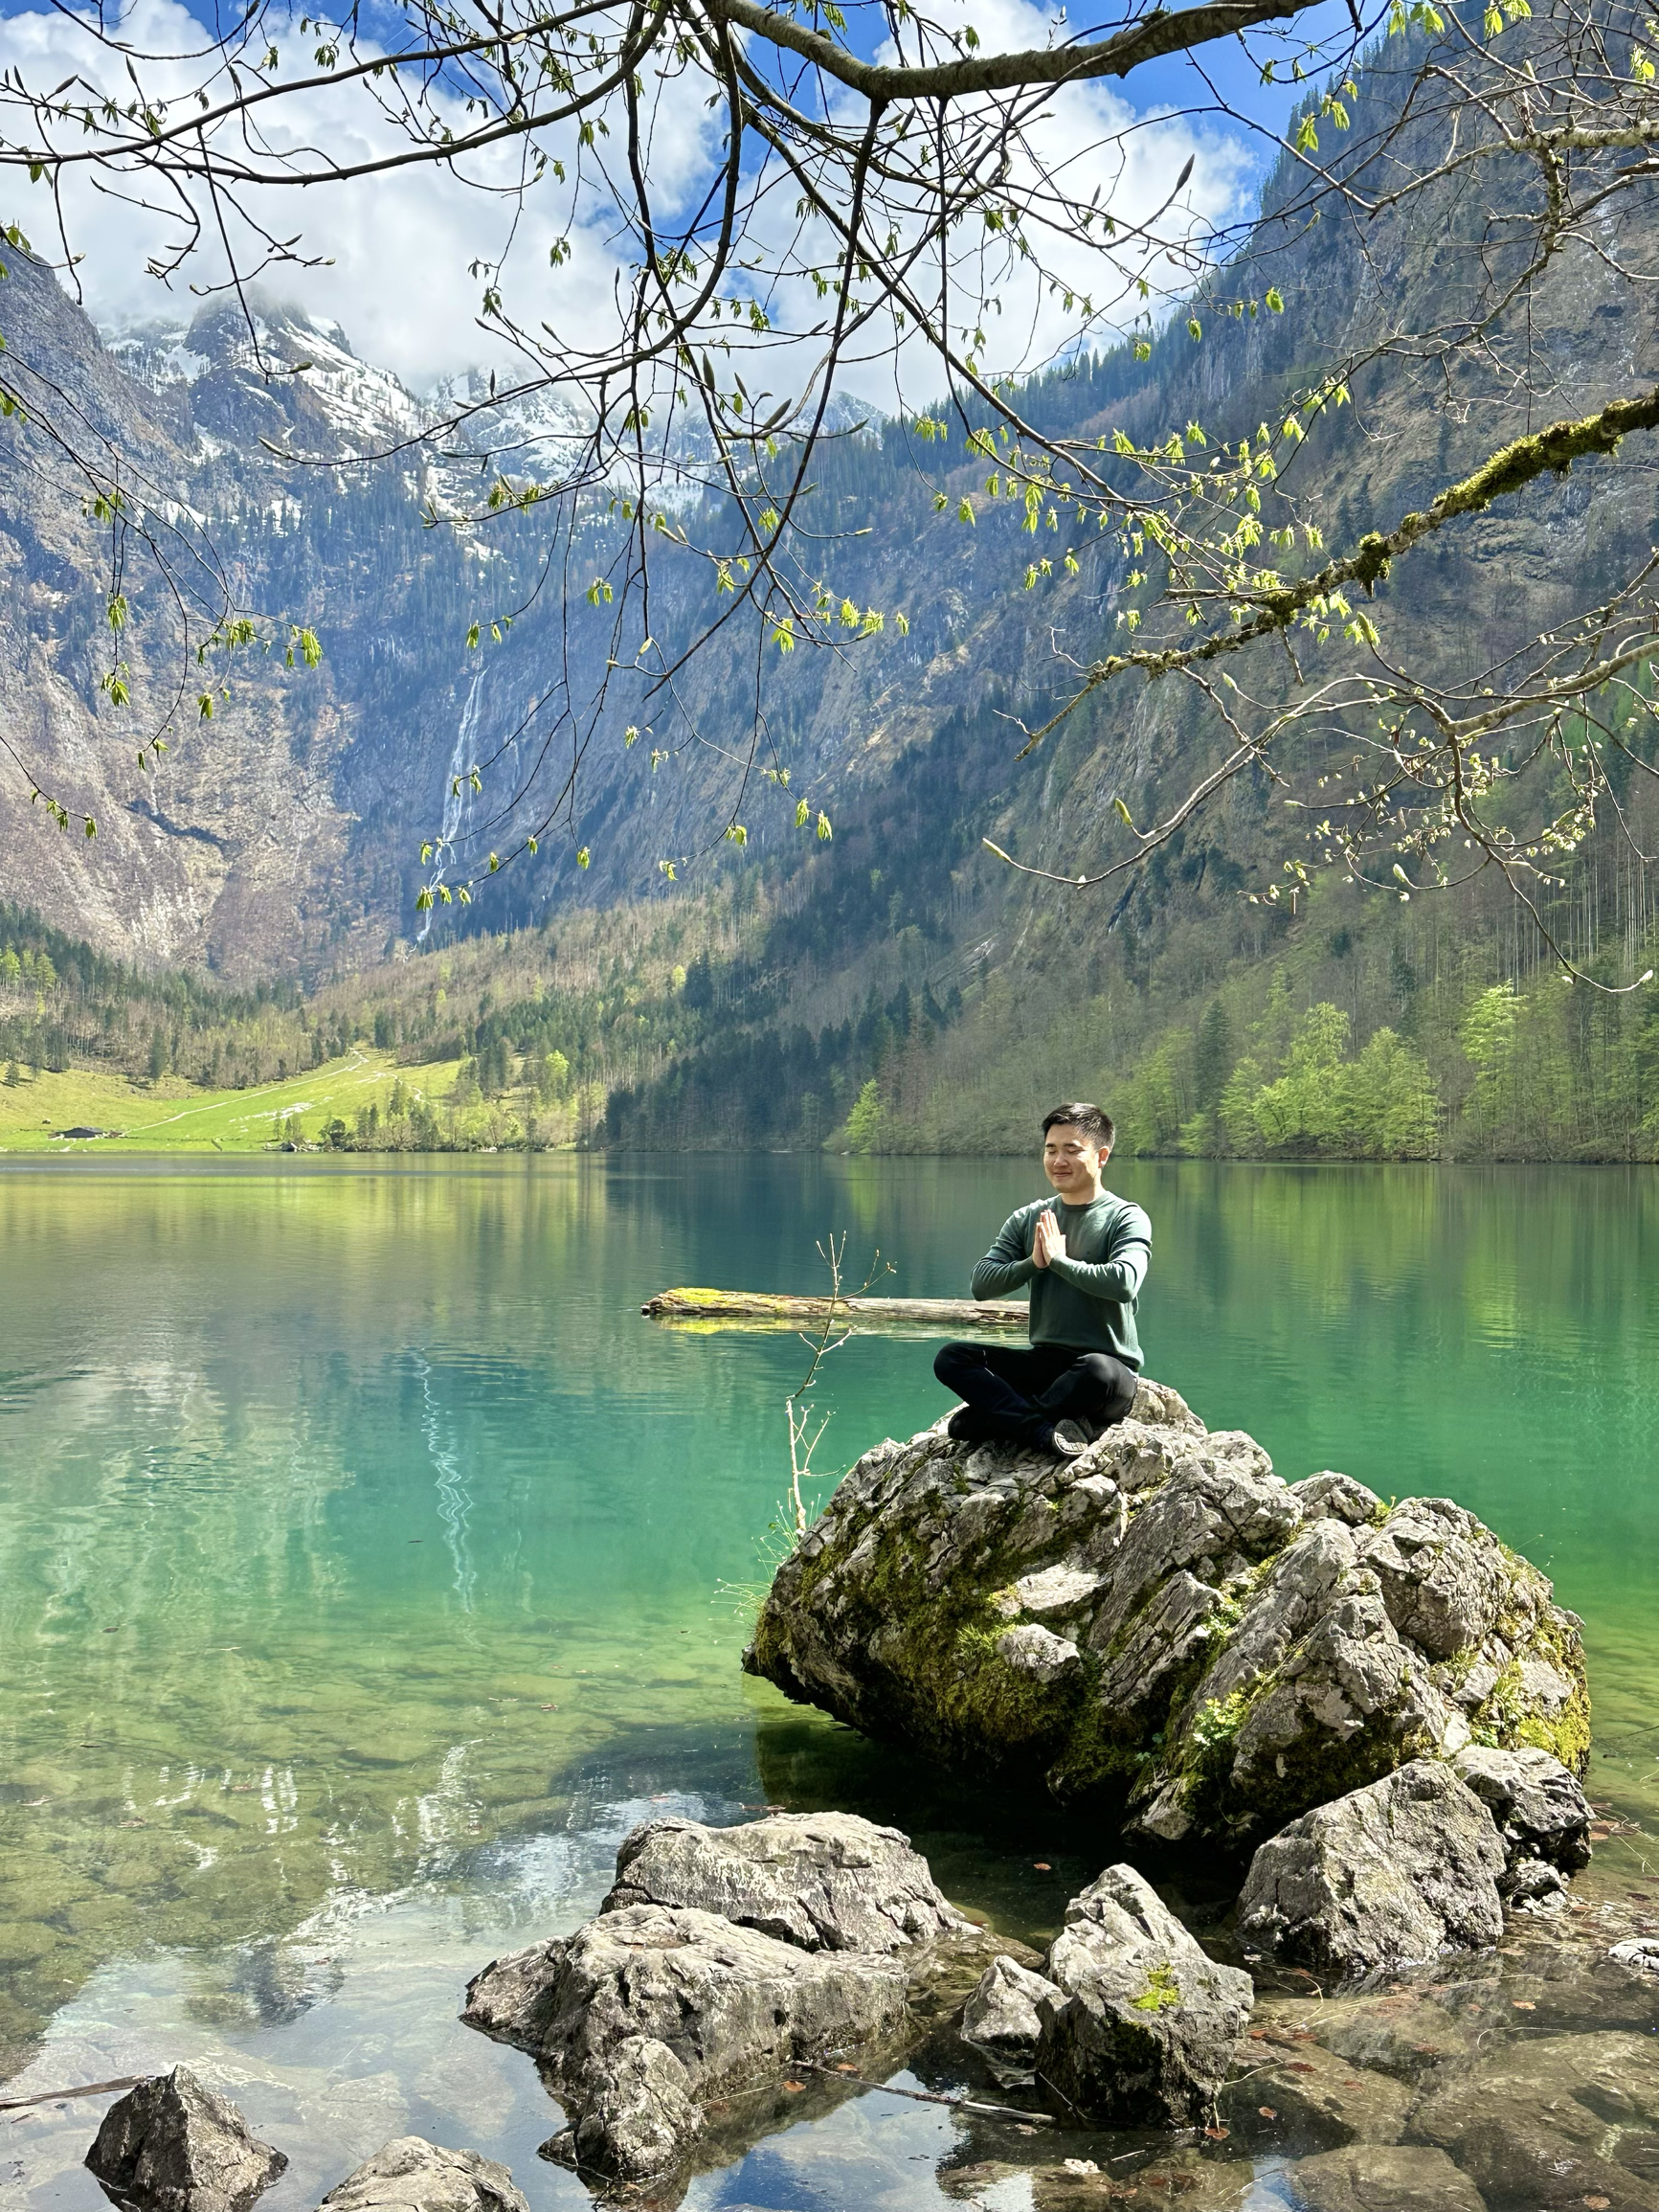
column 369, row 1567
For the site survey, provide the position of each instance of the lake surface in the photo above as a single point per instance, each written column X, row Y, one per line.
column 369, row 1567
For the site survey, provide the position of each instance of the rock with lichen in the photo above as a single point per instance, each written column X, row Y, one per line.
column 1167, row 1621
column 1142, row 2024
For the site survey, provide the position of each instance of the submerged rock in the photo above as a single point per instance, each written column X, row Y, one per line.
column 1388, row 1875
column 1548, row 2123
column 411, row 2175
column 1177, row 2176
column 821, row 1881
column 1165, row 1620
column 1142, row 2023
column 173, row 2145
column 649, row 2010
column 1316, row 2099
column 1381, row 2178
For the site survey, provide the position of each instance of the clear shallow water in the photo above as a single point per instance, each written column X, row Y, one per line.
column 367, row 1567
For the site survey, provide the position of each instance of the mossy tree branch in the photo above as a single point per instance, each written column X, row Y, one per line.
column 1547, row 452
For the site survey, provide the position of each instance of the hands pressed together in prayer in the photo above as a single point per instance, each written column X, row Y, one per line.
column 1048, row 1242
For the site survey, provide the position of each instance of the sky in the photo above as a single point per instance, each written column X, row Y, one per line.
column 401, row 246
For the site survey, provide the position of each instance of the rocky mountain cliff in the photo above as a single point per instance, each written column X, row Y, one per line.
column 279, row 472
column 284, row 835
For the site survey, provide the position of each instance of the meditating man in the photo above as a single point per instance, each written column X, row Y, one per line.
column 1085, row 1254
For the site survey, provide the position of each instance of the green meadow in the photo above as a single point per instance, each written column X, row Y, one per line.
column 174, row 1117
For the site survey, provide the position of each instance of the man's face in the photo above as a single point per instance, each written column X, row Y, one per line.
column 1069, row 1159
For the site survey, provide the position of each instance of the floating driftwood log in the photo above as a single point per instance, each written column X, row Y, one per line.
column 773, row 1310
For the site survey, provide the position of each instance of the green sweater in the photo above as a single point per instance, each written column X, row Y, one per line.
column 1089, row 1298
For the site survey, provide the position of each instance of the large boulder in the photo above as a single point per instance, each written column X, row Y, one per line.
column 1385, row 1876
column 1165, row 1620
column 173, row 2145
column 1142, row 2023
column 822, row 1881
column 411, row 2175
column 646, row 2012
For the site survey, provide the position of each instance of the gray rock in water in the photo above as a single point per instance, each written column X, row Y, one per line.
column 637, row 2116
column 1163, row 1619
column 1002, row 2018
column 411, row 2175
column 1641, row 1951
column 649, row 2010
column 1396, row 1872
column 1379, row 2178
column 1148, row 2022
column 822, row 1881
column 173, row 2145
column 1532, row 1885
column 1540, row 1809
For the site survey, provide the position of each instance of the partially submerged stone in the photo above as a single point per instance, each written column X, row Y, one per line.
column 173, row 2145
column 1002, row 2018
column 411, row 2175
column 1316, row 2099
column 1165, row 1620
column 642, row 2015
column 1385, row 1876
column 1143, row 2024
column 822, row 1881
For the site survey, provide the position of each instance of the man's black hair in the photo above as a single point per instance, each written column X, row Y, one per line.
column 1094, row 1121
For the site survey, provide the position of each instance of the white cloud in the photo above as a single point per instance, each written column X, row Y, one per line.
column 401, row 243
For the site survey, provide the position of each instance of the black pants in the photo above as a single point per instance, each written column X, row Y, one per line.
column 1018, row 1394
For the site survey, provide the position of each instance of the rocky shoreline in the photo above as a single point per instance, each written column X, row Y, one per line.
column 745, row 1980
column 1376, row 1713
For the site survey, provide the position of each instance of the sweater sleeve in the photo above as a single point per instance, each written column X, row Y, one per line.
column 1119, row 1276
column 1007, row 1266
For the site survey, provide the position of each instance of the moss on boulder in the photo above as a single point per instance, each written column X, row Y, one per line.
column 1166, row 1621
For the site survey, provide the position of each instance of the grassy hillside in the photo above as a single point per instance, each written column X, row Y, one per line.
column 175, row 1116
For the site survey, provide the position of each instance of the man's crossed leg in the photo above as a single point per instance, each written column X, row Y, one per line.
column 1021, row 1396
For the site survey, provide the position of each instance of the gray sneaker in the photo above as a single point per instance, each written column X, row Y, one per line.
column 1069, row 1439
